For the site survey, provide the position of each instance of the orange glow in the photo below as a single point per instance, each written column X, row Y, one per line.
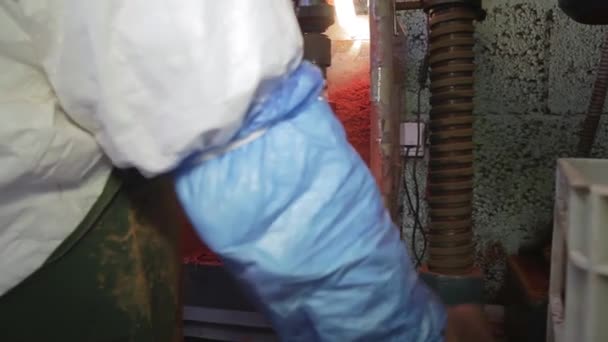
column 356, row 26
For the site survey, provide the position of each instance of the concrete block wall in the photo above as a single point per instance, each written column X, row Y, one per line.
column 535, row 69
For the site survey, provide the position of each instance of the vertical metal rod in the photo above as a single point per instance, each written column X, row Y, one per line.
column 384, row 120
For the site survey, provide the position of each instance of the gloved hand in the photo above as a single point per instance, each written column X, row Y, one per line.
column 297, row 218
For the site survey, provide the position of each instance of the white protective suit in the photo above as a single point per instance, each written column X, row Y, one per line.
column 151, row 82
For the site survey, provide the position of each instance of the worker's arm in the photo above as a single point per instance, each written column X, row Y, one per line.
column 294, row 213
column 158, row 80
column 297, row 216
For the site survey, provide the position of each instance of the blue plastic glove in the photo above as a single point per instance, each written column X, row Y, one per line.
column 297, row 218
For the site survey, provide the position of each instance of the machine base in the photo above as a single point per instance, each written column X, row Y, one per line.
column 454, row 290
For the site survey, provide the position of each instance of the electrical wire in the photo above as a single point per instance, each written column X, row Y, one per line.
column 414, row 206
column 422, row 80
column 415, row 180
column 412, row 211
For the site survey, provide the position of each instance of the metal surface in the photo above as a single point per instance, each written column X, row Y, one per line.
column 226, row 325
column 592, row 12
column 450, row 178
column 211, row 332
column 228, row 317
column 471, row 4
column 455, row 290
column 408, row 5
column 317, row 50
column 216, row 308
column 384, row 118
column 314, row 17
column 303, row 3
column 596, row 105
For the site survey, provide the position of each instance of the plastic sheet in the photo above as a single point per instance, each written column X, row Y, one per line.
column 297, row 218
column 52, row 170
column 155, row 80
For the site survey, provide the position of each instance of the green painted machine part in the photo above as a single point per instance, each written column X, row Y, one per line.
column 116, row 278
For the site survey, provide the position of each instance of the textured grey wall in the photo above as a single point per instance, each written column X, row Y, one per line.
column 535, row 69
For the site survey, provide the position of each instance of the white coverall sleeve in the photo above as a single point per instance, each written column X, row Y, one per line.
column 157, row 80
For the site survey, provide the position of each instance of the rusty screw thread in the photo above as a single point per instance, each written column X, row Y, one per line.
column 452, row 65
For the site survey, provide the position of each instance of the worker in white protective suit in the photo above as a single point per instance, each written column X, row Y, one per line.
column 214, row 94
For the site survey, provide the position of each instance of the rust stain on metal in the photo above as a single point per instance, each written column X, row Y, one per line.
column 532, row 274
column 384, row 119
column 133, row 278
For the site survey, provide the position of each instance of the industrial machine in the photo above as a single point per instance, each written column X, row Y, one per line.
column 450, row 65
column 591, row 12
column 314, row 17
